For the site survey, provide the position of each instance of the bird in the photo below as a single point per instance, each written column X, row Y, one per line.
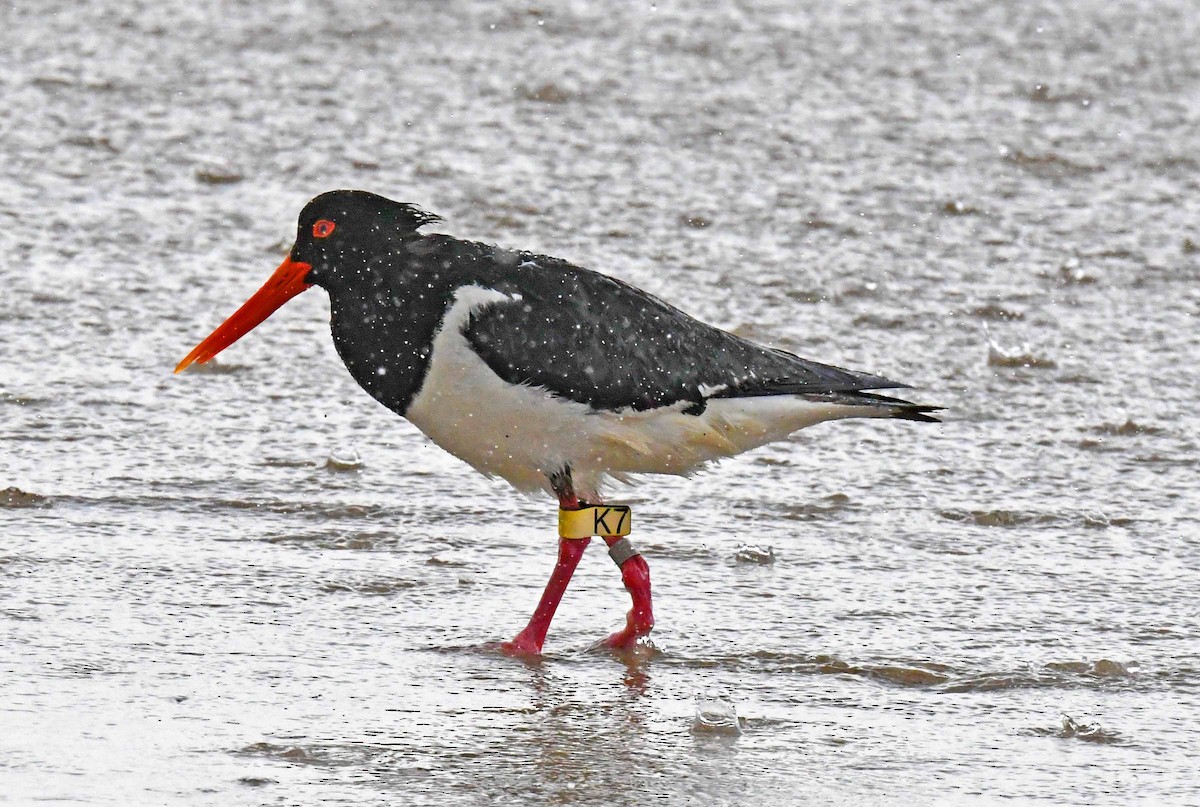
column 553, row 377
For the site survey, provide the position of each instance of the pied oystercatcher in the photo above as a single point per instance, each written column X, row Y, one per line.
column 545, row 374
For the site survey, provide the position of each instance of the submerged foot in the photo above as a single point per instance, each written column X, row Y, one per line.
column 638, row 623
column 521, row 645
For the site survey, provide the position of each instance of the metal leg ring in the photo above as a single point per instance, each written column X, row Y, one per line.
column 622, row 551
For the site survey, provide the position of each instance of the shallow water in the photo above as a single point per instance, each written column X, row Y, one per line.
column 206, row 598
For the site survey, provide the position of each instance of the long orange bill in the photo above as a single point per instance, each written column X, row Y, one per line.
column 286, row 283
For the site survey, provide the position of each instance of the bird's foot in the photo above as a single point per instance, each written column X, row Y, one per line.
column 522, row 645
column 638, row 623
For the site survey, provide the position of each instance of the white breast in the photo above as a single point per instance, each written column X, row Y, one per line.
column 524, row 433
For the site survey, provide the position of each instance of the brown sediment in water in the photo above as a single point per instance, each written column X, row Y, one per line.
column 15, row 498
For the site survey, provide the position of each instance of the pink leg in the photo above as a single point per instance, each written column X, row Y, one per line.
column 529, row 641
column 640, row 620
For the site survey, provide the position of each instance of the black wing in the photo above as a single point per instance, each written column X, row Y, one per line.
column 595, row 340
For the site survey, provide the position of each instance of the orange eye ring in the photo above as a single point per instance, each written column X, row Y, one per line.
column 323, row 228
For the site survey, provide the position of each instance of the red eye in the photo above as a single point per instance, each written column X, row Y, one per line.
column 323, row 228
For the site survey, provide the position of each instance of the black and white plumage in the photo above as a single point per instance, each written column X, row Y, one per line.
column 527, row 367
column 550, row 376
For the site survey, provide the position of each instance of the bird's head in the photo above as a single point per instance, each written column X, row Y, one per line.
column 337, row 234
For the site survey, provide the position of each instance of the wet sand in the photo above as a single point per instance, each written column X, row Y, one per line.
column 997, row 204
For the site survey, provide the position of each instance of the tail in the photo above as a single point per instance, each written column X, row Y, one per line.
column 899, row 408
column 872, row 404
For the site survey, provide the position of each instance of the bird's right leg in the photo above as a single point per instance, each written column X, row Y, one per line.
column 570, row 550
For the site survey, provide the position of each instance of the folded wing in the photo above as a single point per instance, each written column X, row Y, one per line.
column 595, row 340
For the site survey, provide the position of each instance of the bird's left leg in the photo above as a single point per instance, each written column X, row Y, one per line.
column 635, row 573
column 529, row 641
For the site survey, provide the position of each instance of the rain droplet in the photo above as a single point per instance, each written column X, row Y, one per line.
column 760, row 555
column 715, row 715
column 344, row 458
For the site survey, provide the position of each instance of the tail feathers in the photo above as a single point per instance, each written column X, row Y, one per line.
column 872, row 404
column 899, row 408
column 917, row 412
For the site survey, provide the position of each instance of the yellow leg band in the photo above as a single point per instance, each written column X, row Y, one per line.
column 601, row 519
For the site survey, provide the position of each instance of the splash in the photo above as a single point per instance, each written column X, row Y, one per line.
column 1020, row 356
column 715, row 714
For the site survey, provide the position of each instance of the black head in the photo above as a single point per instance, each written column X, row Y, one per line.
column 340, row 232
column 346, row 228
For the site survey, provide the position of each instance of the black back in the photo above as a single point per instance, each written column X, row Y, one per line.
column 581, row 335
column 593, row 339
